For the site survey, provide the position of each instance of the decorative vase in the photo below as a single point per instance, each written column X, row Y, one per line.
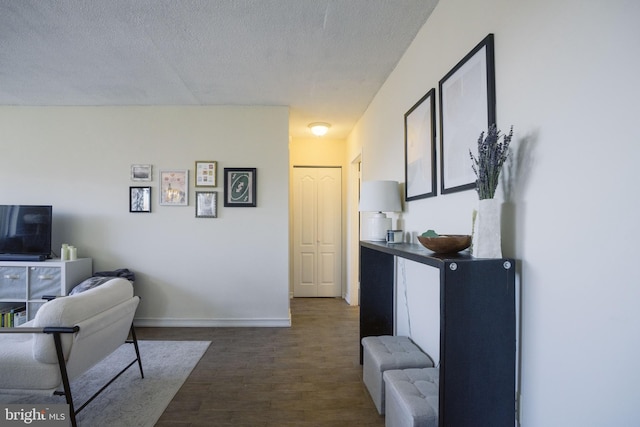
column 487, row 236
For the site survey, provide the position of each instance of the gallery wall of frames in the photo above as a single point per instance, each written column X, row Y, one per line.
column 172, row 187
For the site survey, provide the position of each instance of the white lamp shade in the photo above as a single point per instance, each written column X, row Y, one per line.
column 379, row 196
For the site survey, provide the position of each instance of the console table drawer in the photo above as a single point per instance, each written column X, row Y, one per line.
column 12, row 282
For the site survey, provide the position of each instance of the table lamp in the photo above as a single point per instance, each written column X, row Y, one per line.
column 379, row 197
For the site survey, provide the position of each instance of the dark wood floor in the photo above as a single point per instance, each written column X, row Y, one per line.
column 306, row 375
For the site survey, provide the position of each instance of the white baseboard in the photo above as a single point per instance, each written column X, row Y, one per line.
column 348, row 300
column 211, row 323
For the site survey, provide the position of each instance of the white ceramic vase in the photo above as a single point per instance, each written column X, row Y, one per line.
column 487, row 236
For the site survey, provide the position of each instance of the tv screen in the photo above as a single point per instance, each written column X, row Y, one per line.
column 25, row 230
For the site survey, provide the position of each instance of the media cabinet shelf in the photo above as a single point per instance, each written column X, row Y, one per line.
column 26, row 282
column 477, row 328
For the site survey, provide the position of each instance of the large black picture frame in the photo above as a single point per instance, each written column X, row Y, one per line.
column 467, row 108
column 240, row 187
column 420, row 148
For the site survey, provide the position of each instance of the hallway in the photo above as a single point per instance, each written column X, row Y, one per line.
column 306, row 375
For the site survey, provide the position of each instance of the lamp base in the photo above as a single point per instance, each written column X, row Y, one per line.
column 378, row 226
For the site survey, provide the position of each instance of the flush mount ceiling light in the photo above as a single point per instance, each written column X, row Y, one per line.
column 319, row 128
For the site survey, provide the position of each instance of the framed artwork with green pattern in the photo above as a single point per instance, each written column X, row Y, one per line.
column 240, row 187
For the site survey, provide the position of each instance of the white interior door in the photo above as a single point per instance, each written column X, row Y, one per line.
column 317, row 232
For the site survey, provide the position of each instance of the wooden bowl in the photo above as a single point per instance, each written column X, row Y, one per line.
column 446, row 244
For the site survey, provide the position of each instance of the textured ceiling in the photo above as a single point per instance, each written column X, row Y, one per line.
column 325, row 59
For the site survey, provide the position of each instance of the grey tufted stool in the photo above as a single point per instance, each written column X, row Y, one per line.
column 384, row 353
column 412, row 397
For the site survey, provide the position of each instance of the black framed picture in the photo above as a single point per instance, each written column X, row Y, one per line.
column 140, row 199
column 240, row 189
column 467, row 108
column 420, row 148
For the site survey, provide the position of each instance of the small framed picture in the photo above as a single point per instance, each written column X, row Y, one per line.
column 141, row 172
column 240, row 187
column 174, row 187
column 139, row 199
column 206, row 204
column 206, row 173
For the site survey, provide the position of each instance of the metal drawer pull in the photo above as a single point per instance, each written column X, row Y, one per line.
column 11, row 276
column 45, row 277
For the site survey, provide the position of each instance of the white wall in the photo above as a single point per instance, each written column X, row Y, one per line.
column 417, row 302
column 231, row 270
column 567, row 79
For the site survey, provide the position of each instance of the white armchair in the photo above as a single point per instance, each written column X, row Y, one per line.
column 68, row 336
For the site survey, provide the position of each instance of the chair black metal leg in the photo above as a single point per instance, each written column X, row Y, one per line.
column 134, row 339
column 65, row 378
column 56, row 331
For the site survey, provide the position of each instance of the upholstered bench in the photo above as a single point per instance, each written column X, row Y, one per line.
column 384, row 353
column 412, row 397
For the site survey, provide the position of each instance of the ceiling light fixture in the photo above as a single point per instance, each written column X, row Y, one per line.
column 319, row 128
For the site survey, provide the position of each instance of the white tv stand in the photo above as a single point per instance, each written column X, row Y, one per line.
column 26, row 282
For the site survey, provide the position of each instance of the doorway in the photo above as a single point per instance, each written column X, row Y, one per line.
column 317, row 231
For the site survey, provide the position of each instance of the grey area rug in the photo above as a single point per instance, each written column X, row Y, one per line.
column 129, row 401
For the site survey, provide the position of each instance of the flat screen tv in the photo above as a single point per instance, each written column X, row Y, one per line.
column 25, row 232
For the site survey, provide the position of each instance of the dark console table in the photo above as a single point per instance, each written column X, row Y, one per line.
column 477, row 328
